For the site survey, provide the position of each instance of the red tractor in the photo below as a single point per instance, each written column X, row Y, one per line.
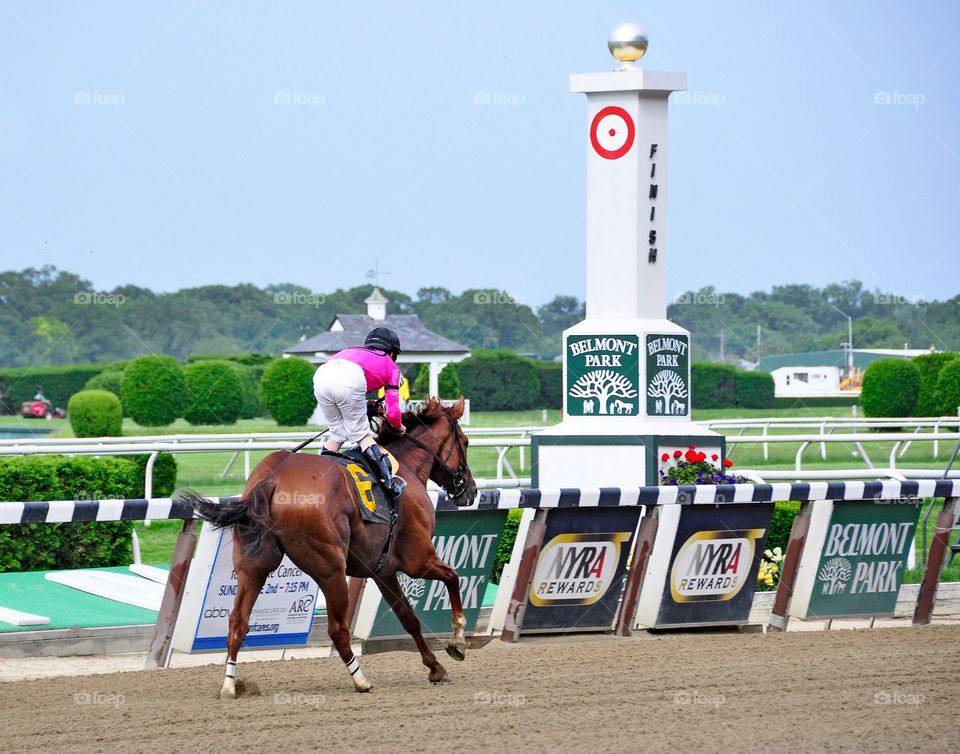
column 41, row 410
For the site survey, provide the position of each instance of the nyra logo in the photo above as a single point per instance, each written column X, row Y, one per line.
column 713, row 565
column 576, row 569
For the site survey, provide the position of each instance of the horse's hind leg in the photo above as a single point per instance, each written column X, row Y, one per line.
column 251, row 576
column 390, row 588
column 436, row 570
column 335, row 591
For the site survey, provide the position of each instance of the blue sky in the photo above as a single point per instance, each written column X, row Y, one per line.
column 178, row 144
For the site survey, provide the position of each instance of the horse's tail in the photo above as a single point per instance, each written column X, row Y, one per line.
column 250, row 515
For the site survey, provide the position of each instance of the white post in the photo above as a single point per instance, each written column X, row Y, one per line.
column 435, row 368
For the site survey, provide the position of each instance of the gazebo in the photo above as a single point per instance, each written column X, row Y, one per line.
column 420, row 345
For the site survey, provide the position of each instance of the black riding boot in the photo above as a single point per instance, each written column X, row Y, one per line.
column 379, row 462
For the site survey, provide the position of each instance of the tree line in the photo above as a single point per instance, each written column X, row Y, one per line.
column 50, row 316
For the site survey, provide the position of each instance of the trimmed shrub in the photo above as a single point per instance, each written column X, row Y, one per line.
column 287, row 391
column 164, row 475
column 448, row 382
column 550, row 374
column 753, row 389
column 713, row 385
column 505, row 547
column 781, row 524
column 215, row 393
column 58, row 383
column 499, row 381
column 33, row 547
column 95, row 413
column 153, row 390
column 890, row 388
column 250, row 384
column 109, row 380
column 948, row 389
column 930, row 366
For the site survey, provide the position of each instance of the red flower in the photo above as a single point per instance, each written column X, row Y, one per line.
column 691, row 456
column 665, row 457
column 727, row 462
column 677, row 454
column 714, row 457
column 692, row 447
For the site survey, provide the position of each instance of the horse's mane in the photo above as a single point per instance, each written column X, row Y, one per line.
column 431, row 410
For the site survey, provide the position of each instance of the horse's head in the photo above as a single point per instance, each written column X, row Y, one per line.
column 436, row 428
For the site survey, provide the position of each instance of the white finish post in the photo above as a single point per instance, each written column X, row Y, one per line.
column 435, row 368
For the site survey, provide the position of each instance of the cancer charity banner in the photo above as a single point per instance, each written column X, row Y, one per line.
column 580, row 572
column 714, row 564
column 281, row 617
column 864, row 555
column 467, row 543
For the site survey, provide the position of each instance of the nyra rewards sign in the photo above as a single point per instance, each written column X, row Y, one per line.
column 579, row 574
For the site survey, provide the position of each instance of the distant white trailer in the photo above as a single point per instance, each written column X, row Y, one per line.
column 806, row 382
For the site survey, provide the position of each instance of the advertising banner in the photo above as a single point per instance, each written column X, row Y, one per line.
column 864, row 555
column 468, row 543
column 579, row 574
column 281, row 617
column 713, row 566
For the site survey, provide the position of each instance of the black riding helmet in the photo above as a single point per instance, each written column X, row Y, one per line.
column 383, row 339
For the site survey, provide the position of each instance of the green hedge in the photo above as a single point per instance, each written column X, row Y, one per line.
column 110, row 380
column 448, row 382
column 95, row 413
column 34, row 547
column 781, row 524
column 505, row 547
column 58, row 383
column 287, row 391
column 164, row 475
column 214, row 393
column 948, row 389
column 713, row 385
column 930, row 366
column 153, row 390
column 499, row 380
column 550, row 374
column 250, row 385
column 890, row 388
column 753, row 389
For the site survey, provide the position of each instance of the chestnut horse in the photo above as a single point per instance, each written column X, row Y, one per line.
column 306, row 506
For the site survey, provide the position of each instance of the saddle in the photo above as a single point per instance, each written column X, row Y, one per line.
column 376, row 505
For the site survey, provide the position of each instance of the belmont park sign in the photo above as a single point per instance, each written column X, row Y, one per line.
column 603, row 375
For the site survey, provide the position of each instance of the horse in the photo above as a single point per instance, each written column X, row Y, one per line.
column 306, row 506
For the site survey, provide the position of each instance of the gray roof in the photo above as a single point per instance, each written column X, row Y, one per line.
column 414, row 336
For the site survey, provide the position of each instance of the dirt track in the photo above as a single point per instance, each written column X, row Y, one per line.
column 881, row 689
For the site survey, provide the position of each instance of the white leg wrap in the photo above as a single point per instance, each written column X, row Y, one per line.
column 359, row 679
column 231, row 669
column 229, row 690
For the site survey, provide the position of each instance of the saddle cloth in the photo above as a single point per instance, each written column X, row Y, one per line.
column 375, row 505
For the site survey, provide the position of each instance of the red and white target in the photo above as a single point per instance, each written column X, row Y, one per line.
column 612, row 132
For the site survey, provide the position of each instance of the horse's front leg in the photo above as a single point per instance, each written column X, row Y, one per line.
column 393, row 594
column 437, row 570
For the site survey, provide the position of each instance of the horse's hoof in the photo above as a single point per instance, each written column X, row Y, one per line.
column 457, row 651
column 445, row 678
column 226, row 693
column 364, row 689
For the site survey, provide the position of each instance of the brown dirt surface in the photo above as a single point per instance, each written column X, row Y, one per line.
column 863, row 690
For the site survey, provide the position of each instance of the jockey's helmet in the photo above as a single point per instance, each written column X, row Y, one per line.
column 383, row 339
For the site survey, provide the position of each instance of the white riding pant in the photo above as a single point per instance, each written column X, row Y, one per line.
column 341, row 390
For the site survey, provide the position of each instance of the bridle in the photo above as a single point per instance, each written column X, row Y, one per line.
column 459, row 483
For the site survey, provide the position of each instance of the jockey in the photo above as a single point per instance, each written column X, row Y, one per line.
column 341, row 385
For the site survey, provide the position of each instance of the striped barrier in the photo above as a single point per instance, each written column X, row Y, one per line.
column 138, row 509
